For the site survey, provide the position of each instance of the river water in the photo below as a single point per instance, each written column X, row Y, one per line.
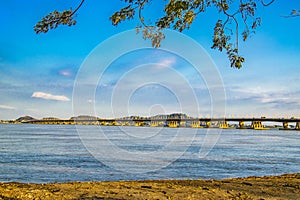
column 61, row 153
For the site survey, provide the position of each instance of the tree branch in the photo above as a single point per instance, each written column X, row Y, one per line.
column 78, row 7
column 294, row 13
column 55, row 18
column 267, row 4
column 141, row 18
column 179, row 15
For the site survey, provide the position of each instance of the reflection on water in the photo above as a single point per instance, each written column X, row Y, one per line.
column 41, row 153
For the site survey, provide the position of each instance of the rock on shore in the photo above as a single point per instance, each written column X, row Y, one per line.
column 269, row 187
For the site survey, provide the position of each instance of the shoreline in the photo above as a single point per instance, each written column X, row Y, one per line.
column 286, row 186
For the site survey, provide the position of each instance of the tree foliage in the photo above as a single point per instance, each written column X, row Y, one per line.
column 53, row 19
column 294, row 13
column 56, row 18
column 237, row 20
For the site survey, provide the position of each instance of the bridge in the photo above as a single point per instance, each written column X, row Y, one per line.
column 255, row 123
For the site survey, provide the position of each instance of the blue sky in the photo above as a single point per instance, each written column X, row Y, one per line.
column 38, row 72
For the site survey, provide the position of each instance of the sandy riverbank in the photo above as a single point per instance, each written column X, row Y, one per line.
column 273, row 187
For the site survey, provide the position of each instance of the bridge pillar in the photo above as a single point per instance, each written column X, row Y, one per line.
column 241, row 124
column 154, row 123
column 196, row 124
column 161, row 123
column 297, row 126
column 208, row 123
column 182, row 124
column 137, row 123
column 173, row 124
column 285, row 125
column 257, row 125
column 112, row 123
column 223, row 124
column 103, row 123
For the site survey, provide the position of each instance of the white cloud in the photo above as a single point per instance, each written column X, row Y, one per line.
column 66, row 73
column 7, row 107
column 167, row 62
column 47, row 96
column 276, row 97
column 90, row 101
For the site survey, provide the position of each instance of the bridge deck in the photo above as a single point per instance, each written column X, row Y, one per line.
column 182, row 120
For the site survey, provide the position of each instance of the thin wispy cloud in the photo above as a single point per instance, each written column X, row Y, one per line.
column 67, row 73
column 47, row 96
column 280, row 98
column 167, row 62
column 90, row 101
column 6, row 107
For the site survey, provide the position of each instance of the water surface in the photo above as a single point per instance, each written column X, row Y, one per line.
column 55, row 153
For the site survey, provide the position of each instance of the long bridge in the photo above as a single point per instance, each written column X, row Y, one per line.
column 255, row 123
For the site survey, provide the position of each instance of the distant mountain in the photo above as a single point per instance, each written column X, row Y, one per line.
column 87, row 117
column 173, row 116
column 163, row 117
column 25, row 119
column 50, row 118
column 84, row 117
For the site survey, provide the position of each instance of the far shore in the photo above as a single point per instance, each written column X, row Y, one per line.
column 285, row 186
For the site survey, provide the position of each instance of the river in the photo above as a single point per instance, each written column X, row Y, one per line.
column 62, row 153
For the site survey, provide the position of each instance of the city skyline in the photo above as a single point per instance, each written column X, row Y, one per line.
column 38, row 72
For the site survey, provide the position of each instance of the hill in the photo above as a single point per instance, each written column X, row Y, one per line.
column 25, row 119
